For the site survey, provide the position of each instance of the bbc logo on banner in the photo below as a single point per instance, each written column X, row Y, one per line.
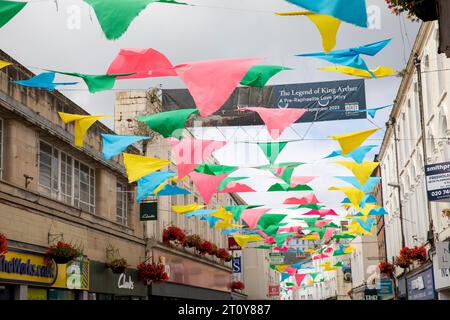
column 237, row 265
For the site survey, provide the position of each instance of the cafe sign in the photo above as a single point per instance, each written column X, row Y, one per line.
column 27, row 267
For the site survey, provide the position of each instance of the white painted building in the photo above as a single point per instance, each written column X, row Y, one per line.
column 436, row 85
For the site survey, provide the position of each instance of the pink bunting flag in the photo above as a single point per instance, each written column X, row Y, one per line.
column 251, row 216
column 320, row 256
column 145, row 63
column 234, row 187
column 299, row 278
column 309, row 199
column 191, row 152
column 329, row 232
column 270, row 240
column 276, row 119
column 291, row 271
column 322, row 223
column 294, row 229
column 206, row 184
column 300, row 180
column 281, row 249
column 211, row 82
column 328, row 250
column 322, row 213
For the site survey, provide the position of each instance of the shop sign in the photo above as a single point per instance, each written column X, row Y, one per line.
column 148, row 211
column 371, row 294
column 102, row 280
column 276, row 258
column 385, row 288
column 274, row 291
column 421, row 286
column 438, row 181
column 125, row 282
column 443, row 254
column 441, row 276
column 233, row 245
column 237, row 265
column 26, row 266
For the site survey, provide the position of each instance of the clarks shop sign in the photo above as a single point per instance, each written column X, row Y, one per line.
column 27, row 267
column 102, row 280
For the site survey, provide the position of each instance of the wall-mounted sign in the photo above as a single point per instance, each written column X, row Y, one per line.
column 421, row 286
column 441, row 276
column 443, row 254
column 237, row 265
column 102, row 280
column 232, row 244
column 371, row 294
column 438, row 181
column 385, row 288
column 274, row 291
column 148, row 211
column 26, row 266
column 276, row 258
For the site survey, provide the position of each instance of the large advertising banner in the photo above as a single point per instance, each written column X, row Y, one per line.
column 438, row 181
column 325, row 101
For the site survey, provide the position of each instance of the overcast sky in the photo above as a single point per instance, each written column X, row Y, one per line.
column 41, row 36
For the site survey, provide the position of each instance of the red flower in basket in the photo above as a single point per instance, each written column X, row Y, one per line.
column 62, row 253
column 386, row 268
column 418, row 254
column 3, row 244
column 237, row 285
column 174, row 234
column 223, row 254
column 152, row 272
column 205, row 247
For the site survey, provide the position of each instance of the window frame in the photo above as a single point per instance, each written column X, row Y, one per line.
column 58, row 193
column 124, row 198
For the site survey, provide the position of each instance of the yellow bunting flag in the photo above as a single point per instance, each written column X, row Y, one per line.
column 187, row 208
column 309, row 250
column 310, row 237
column 226, row 225
column 282, row 267
column 328, row 26
column 361, row 171
column 351, row 141
column 354, row 195
column 243, row 239
column 349, row 249
column 4, row 64
column 355, row 228
column 82, row 124
column 139, row 166
column 379, row 72
column 223, row 214
column 327, row 266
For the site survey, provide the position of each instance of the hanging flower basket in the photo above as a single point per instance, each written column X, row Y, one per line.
column 205, row 247
column 175, row 235
column 118, row 266
column 386, row 268
column 152, row 272
column 425, row 10
column 237, row 285
column 63, row 252
column 418, row 254
column 3, row 244
column 192, row 241
column 224, row 255
column 402, row 262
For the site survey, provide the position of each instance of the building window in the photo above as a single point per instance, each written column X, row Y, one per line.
column 1, row 148
column 66, row 179
column 121, row 207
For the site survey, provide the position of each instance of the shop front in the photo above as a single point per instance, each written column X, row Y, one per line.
column 26, row 275
column 190, row 279
column 441, row 279
column 106, row 285
column 420, row 284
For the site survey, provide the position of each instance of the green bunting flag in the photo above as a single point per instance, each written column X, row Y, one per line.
column 236, row 210
column 286, row 187
column 257, row 76
column 280, row 238
column 227, row 180
column 272, row 149
column 168, row 123
column 215, row 169
column 96, row 83
column 115, row 16
column 270, row 219
column 312, row 206
column 8, row 9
